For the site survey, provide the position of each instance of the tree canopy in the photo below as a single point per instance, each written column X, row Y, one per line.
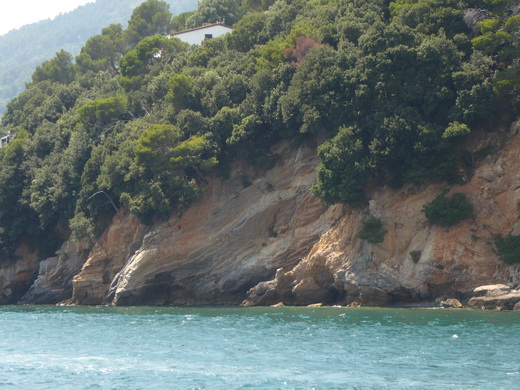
column 139, row 120
column 22, row 50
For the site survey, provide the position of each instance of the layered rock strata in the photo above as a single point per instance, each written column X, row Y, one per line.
column 54, row 281
column 416, row 261
column 262, row 238
column 237, row 235
column 495, row 297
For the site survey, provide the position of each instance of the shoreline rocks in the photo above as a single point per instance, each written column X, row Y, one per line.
column 452, row 303
column 495, row 297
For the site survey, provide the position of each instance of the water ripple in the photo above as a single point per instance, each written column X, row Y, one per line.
column 257, row 348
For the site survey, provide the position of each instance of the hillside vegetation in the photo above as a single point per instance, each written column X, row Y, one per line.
column 138, row 120
column 22, row 50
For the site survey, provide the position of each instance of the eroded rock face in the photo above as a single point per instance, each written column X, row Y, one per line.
column 495, row 297
column 17, row 275
column 230, row 240
column 110, row 253
column 492, row 290
column 507, row 301
column 416, row 261
column 262, row 238
column 54, row 281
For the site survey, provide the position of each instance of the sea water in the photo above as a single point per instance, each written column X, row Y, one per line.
column 257, row 348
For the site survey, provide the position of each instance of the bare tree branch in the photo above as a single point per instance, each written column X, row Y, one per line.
column 109, row 198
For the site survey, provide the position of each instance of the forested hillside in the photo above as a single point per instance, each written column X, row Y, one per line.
column 138, row 120
column 22, row 50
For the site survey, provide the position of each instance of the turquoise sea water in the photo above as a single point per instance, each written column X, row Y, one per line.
column 257, row 348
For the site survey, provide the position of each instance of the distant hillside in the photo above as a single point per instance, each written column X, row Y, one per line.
column 22, row 50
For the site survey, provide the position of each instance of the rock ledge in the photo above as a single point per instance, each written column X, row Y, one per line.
column 495, row 297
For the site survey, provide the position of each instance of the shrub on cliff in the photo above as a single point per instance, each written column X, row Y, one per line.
column 372, row 231
column 448, row 210
column 509, row 249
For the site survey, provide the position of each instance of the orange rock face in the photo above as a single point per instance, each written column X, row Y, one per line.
column 262, row 238
column 227, row 242
column 416, row 261
column 107, row 257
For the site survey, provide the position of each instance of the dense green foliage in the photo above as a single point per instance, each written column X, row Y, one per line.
column 448, row 210
column 509, row 249
column 372, row 231
column 138, row 120
column 22, row 50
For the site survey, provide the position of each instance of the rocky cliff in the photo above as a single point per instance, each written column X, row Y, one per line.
column 416, row 261
column 260, row 238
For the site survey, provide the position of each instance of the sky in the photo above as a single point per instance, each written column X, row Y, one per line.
column 17, row 13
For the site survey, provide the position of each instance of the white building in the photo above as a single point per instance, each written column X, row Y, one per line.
column 195, row 36
column 4, row 141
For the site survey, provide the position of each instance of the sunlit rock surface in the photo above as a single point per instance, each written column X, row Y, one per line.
column 416, row 261
column 237, row 235
column 262, row 238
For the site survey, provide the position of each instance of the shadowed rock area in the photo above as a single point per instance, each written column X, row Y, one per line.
column 54, row 282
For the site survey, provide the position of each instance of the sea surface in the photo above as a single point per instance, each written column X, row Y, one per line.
column 257, row 348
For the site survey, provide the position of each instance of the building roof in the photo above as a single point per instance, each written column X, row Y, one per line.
column 201, row 28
